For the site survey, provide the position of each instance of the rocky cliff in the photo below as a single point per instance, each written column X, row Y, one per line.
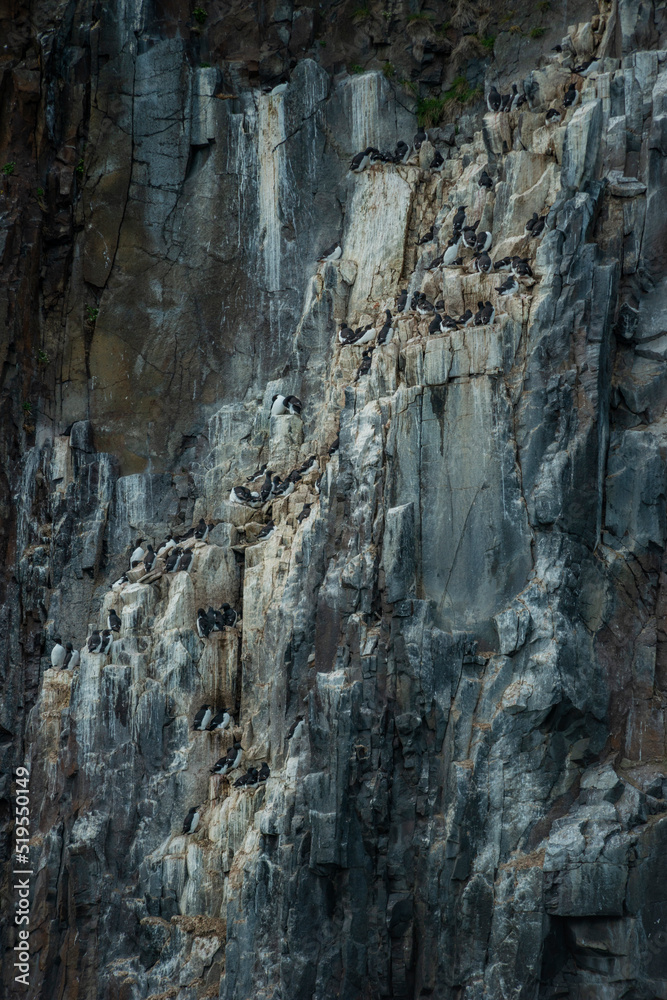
column 456, row 666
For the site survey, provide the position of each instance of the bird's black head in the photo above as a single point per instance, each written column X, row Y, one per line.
column 68, row 645
column 57, row 639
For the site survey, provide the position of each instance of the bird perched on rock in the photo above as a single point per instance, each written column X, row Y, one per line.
column 120, row 583
column 94, row 642
column 448, row 323
column 203, row 624
column 138, row 554
column 505, row 102
column 173, row 560
column 434, row 325
column 538, row 228
column 488, row 314
column 402, row 300
column 288, row 485
column 310, row 465
column 222, row 766
column 521, row 268
column 426, row 238
column 215, row 620
column 438, row 162
column 113, row 621
column 466, row 318
column 493, row 99
column 235, row 755
column 72, row 657
column 107, row 639
column 149, row 558
column 202, row 718
column 478, row 315
column 365, row 366
column 485, row 181
column 281, row 405
column 387, row 331
column 436, row 263
column 424, row 307
column 529, row 225
column 483, row 241
column 509, row 287
column 420, row 137
column 191, row 821
column 571, row 96
column 335, row 444
column 266, row 531
column 248, row 780
column 230, row 616
column 201, row 531
column 220, row 721
column 345, row 334
column 331, row 253
column 402, row 152
column 459, row 220
column 238, row 495
column 469, row 234
column 587, row 68
column 553, row 116
column 166, row 546
column 503, row 264
column 305, row 512
column 185, row 562
column 364, row 336
column 361, row 160
column 451, row 250
column 58, row 654
column 484, row 264
column 264, row 772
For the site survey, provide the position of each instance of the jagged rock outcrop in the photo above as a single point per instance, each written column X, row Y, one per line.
column 455, row 666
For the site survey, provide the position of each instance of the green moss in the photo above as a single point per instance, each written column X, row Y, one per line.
column 204, row 65
column 92, row 312
column 537, row 32
column 488, row 42
column 42, row 358
column 461, row 91
column 388, row 70
column 200, row 15
column 355, row 68
column 8, row 168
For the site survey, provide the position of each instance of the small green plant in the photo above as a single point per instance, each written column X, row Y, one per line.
column 355, row 68
column 537, row 32
column 322, row 43
column 388, row 70
column 92, row 312
column 40, row 192
column 204, row 65
column 42, row 358
column 461, row 91
column 361, row 14
column 8, row 168
column 79, row 167
column 409, row 86
column 489, row 42
column 27, row 408
column 200, row 15
column 430, row 110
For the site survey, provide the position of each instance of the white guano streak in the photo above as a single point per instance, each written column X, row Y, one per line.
column 271, row 173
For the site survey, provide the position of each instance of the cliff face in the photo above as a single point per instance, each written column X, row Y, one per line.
column 456, row 666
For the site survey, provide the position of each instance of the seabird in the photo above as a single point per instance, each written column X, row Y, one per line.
column 364, row 367
column 424, row 307
column 459, row 219
column 191, row 821
column 202, row 718
column 120, row 583
column 485, row 181
column 360, row 161
column 185, row 561
column 293, row 405
column 288, row 485
column 173, row 560
column 267, row 486
column 503, row 264
column 477, row 321
column 483, row 242
column 201, row 531
column 264, row 772
column 413, row 301
column 95, row 642
column 72, row 659
column 113, row 621
column 247, row 780
column 365, row 336
column 221, row 720
column 221, row 766
column 420, row 137
column 107, row 639
column 488, row 314
column 426, row 238
column 438, row 162
column 331, row 253
column 493, row 100
column 387, row 332
column 335, row 444
column 402, row 301
column 587, row 68
column 448, row 323
column 305, row 512
column 440, row 304
column 505, row 102
column 514, row 104
column 67, row 657
column 467, row 318
column 203, row 624
column 278, row 408
column 484, row 263
column 451, row 250
column 258, row 476
column 275, row 485
column 509, row 287
column 436, row 263
column 434, row 325
column 229, row 615
column 553, row 116
column 529, row 225
column 166, row 546
column 470, row 236
column 58, row 654
column 538, row 228
column 239, row 495
column 138, row 554
column 402, row 152
column 235, row 755
column 266, row 531
column 521, row 268
column 216, row 620
column 149, row 558
column 345, row 335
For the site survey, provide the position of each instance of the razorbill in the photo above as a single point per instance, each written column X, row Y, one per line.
column 365, row 366
column 149, row 558
column 173, row 560
column 451, row 250
column 203, row 624
column 95, row 642
column 264, row 772
column 485, row 181
column 438, row 162
column 202, row 718
column 493, row 99
column 509, row 287
column 553, row 116
column 221, row 720
column 113, row 621
column 229, row 615
column 331, row 253
column 402, row 152
column 138, row 554
column 402, row 301
column 191, row 821
column 107, row 639
column 361, row 160
column 185, row 562
column 305, row 512
column 434, row 325
column 201, row 531
column 459, row 220
column 426, row 238
column 266, row 531
column 483, row 241
column 166, row 546
column 387, row 332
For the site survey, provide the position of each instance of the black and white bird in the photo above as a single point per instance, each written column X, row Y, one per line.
column 281, row 405
column 248, row 780
column 470, row 236
column 467, row 318
column 113, row 621
column 588, row 68
column 275, row 485
column 361, row 160
column 288, row 485
column 107, row 639
column 235, row 755
column 434, row 325
column 220, row 721
column 438, row 162
column 215, row 620
column 229, row 615
column 459, row 220
column 553, row 116
column 505, row 102
column 402, row 152
column 366, row 362
column 509, row 287
column 521, row 268
column 166, row 546
column 484, row 263
column 386, row 333
column 222, row 765
column 424, row 307
column 503, row 264
column 238, row 495
column 483, row 241
column 58, row 654
column 488, row 314
column 440, row 304
column 203, row 624
column 149, row 558
column 419, row 139
column 493, row 99
column 138, row 554
column 94, row 642
column 514, row 98
column 202, row 718
column 191, row 821
column 173, row 560
column 528, row 228
column 426, row 238
column 331, row 253
column 311, row 464
column 267, row 485
column 72, row 657
column 571, row 96
column 451, row 250
column 185, row 563
column 120, row 583
column 264, row 772
column 538, row 228
column 266, row 531
column 334, row 446
column 485, row 181
column 201, row 531
column 448, row 323
column 345, row 335
column 435, row 263
column 402, row 301
column 364, row 336
column 305, row 512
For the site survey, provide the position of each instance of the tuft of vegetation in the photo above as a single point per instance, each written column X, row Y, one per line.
column 355, row 68
column 79, row 167
column 388, row 70
column 461, row 91
column 488, row 42
column 40, row 192
column 537, row 32
column 361, row 14
column 322, row 43
column 27, row 407
column 92, row 312
column 204, row 65
column 200, row 15
column 515, row 29
column 430, row 110
column 8, row 168
column 42, row 358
